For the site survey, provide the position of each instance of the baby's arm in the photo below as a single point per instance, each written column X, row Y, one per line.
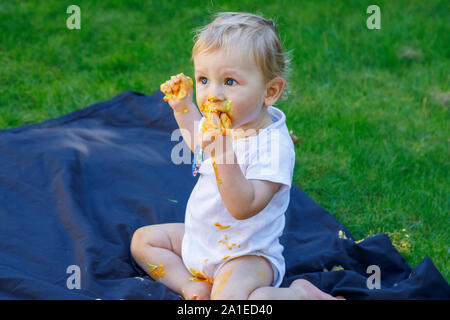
column 179, row 95
column 186, row 121
column 243, row 197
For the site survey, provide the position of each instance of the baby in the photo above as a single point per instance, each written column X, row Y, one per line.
column 228, row 247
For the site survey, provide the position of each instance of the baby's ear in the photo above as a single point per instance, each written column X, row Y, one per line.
column 274, row 89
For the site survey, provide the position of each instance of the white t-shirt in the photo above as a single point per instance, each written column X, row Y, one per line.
column 212, row 236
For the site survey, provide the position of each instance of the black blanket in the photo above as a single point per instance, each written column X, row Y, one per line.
column 74, row 189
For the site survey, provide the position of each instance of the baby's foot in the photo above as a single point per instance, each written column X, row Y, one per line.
column 196, row 290
column 305, row 290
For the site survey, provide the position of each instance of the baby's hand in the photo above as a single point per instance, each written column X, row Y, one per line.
column 218, row 145
column 178, row 92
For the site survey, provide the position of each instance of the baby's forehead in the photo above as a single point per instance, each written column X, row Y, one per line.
column 228, row 59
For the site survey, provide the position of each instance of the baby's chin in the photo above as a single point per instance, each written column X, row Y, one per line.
column 236, row 125
column 240, row 123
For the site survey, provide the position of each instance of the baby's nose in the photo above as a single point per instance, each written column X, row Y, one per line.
column 216, row 94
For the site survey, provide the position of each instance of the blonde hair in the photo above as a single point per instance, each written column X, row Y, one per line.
column 249, row 32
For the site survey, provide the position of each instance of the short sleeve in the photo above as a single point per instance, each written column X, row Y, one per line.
column 272, row 158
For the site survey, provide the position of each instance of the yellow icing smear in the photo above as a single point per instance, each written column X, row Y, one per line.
column 177, row 87
column 227, row 244
column 217, row 116
column 215, row 170
column 222, row 282
column 199, row 276
column 156, row 271
column 221, row 227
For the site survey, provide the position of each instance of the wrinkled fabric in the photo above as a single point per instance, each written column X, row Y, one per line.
column 74, row 189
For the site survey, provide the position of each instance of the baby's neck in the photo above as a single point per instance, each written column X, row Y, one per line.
column 252, row 128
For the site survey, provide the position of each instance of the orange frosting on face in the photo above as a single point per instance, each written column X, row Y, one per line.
column 217, row 114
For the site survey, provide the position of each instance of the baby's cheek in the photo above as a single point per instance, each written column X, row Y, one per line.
column 243, row 113
column 199, row 101
column 200, row 97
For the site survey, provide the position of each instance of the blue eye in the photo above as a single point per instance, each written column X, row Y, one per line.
column 203, row 80
column 230, row 82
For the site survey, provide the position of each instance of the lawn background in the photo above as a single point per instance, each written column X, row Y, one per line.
column 370, row 107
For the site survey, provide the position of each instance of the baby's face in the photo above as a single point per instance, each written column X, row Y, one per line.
column 231, row 76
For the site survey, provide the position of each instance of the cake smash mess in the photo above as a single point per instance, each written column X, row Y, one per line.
column 228, row 246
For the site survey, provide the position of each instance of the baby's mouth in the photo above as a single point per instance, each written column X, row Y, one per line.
column 217, row 113
column 213, row 104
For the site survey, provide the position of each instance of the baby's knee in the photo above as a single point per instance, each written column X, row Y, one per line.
column 141, row 238
column 262, row 293
column 146, row 237
column 222, row 290
column 137, row 243
column 229, row 295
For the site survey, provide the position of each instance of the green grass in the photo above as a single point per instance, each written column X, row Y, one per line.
column 370, row 106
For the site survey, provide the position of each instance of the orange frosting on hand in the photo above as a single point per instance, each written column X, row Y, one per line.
column 217, row 116
column 177, row 87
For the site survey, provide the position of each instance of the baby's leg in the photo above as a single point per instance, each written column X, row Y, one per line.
column 239, row 277
column 300, row 289
column 250, row 277
column 160, row 244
